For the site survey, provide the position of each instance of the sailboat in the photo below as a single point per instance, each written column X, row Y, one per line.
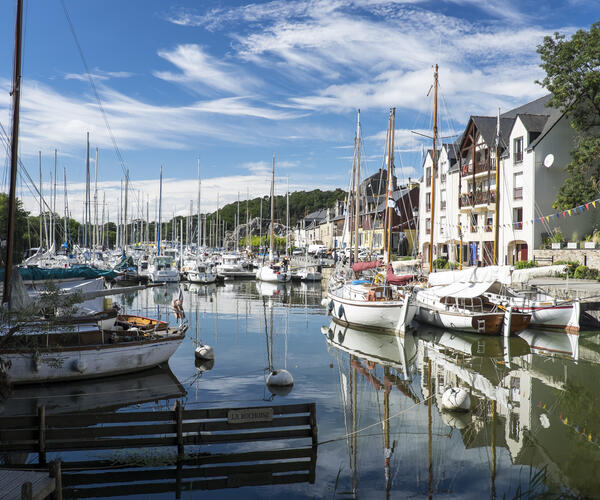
column 271, row 271
column 361, row 302
column 52, row 346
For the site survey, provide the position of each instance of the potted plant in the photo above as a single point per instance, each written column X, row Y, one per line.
column 557, row 239
column 589, row 241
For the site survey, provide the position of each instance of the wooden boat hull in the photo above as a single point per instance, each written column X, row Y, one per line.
column 89, row 361
column 483, row 323
column 385, row 314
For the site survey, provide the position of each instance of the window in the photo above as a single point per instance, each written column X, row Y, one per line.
column 427, row 202
column 518, row 187
column 474, row 223
column 427, row 226
column 518, row 150
column 489, row 222
column 518, row 218
column 442, row 224
column 443, row 199
column 428, row 176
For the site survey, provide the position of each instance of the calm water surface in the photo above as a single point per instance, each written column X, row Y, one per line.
column 533, row 429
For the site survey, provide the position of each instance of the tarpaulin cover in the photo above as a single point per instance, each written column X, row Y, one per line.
column 393, row 279
column 357, row 267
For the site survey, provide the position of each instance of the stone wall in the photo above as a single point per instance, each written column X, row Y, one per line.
column 590, row 258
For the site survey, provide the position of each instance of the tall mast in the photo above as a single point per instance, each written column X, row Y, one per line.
column 433, row 167
column 217, row 229
column 125, row 214
column 497, row 211
column 14, row 152
column 102, row 225
column 357, row 186
column 390, row 197
column 287, row 216
column 237, row 233
column 248, row 235
column 96, row 200
column 86, row 223
column 199, row 187
column 159, row 214
column 54, row 200
column 41, row 201
column 66, row 208
column 272, row 232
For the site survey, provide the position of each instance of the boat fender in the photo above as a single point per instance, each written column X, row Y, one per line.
column 204, row 352
column 330, row 306
column 36, row 361
column 456, row 399
column 340, row 311
column 79, row 365
column 281, row 378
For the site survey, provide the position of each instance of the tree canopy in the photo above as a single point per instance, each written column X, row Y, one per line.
column 572, row 69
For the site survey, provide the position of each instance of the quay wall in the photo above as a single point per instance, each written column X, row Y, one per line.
column 586, row 257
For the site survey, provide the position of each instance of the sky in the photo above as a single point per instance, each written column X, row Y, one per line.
column 229, row 84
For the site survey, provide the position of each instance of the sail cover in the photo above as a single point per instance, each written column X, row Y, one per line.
column 472, row 275
column 357, row 267
column 394, row 279
column 463, row 290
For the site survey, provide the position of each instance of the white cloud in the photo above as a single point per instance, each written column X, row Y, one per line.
column 199, row 68
column 98, row 74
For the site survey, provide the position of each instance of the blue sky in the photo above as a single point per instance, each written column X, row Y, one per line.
column 232, row 83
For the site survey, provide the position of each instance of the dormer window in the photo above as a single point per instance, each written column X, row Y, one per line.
column 518, row 150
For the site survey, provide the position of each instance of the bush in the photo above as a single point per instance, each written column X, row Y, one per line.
column 440, row 263
column 572, row 265
column 585, row 273
column 525, row 264
column 451, row 265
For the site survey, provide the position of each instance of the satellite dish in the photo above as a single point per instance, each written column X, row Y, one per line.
column 549, row 160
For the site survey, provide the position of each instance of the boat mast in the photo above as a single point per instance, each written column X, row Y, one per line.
column 357, row 186
column 86, row 223
column 390, row 196
column 14, row 151
column 431, row 223
column 41, row 200
column 237, row 225
column 54, row 201
column 497, row 211
column 66, row 210
column 198, row 202
column 125, row 214
column 159, row 213
column 96, row 200
column 271, row 233
column 287, row 217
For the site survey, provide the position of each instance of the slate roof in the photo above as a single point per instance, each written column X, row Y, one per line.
column 534, row 123
column 537, row 107
column 553, row 119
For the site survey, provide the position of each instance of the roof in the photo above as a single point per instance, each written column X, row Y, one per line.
column 534, row 123
column 553, row 119
column 537, row 107
column 487, row 126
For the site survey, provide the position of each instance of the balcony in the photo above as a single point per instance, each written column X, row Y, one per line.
column 475, row 199
column 466, row 169
column 428, row 206
column 518, row 193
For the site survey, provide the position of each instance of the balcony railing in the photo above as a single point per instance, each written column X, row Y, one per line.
column 484, row 166
column 428, row 206
column 473, row 229
column 488, row 228
column 518, row 193
column 479, row 198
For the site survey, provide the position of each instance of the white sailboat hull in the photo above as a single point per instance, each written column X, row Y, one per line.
column 165, row 276
column 266, row 273
column 196, row 277
column 386, row 314
column 81, row 362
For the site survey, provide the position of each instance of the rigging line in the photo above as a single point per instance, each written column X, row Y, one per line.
column 94, row 89
column 346, row 436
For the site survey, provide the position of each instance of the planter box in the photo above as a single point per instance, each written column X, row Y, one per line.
column 572, row 245
column 556, row 246
column 589, row 244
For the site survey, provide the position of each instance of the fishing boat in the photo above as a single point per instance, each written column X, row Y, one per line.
column 382, row 303
column 272, row 271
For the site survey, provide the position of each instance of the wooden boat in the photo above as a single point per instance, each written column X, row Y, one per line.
column 135, row 343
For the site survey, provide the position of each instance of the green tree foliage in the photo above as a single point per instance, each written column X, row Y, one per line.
column 301, row 204
column 20, row 228
column 573, row 77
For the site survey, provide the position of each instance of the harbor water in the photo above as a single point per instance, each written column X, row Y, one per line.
column 531, row 429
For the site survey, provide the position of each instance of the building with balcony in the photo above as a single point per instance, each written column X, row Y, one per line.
column 467, row 197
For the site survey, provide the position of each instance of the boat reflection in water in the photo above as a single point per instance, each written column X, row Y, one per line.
column 534, row 408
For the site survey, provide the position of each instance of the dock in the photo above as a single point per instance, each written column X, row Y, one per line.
column 25, row 484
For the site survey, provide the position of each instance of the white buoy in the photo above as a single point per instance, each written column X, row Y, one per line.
column 544, row 420
column 204, row 352
column 456, row 399
column 281, row 378
column 324, row 302
column 456, row 420
column 79, row 365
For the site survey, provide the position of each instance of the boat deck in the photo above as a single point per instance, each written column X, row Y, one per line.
column 12, row 481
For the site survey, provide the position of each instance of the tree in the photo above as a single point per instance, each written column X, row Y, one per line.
column 573, row 77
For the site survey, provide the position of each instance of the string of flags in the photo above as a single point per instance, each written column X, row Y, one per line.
column 561, row 214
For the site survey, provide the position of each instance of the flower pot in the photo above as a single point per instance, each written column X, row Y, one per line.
column 589, row 244
column 556, row 246
column 572, row 245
